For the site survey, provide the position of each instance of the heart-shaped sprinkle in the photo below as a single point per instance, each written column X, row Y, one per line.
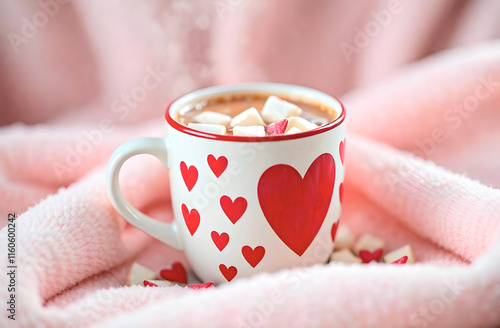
column 253, row 255
column 401, row 260
column 202, row 286
column 277, row 128
column 192, row 218
column 218, row 166
column 190, row 175
column 147, row 283
column 228, row 273
column 220, row 240
column 367, row 256
column 177, row 273
column 234, row 210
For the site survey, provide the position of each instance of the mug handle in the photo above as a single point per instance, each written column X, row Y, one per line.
column 166, row 232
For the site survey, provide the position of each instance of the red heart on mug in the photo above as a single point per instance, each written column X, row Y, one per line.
column 296, row 207
column 342, row 150
column 192, row 219
column 177, row 273
column 228, row 273
column 220, row 240
column 333, row 232
column 218, row 166
column 253, row 255
column 234, row 210
column 190, row 175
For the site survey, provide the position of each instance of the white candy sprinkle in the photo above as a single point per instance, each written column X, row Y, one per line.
column 300, row 123
column 276, row 109
column 209, row 128
column 344, row 256
column 209, row 117
column 247, row 118
column 293, row 130
column 369, row 243
column 249, row 131
column 138, row 274
column 399, row 253
column 344, row 238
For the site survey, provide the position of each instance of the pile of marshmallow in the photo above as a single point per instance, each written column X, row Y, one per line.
column 347, row 250
column 141, row 276
column 278, row 117
column 367, row 249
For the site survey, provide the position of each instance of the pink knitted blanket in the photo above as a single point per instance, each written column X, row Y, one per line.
column 421, row 84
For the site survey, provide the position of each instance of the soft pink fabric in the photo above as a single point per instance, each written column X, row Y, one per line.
column 427, row 82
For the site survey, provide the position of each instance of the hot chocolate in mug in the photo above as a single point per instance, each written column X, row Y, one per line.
column 244, row 205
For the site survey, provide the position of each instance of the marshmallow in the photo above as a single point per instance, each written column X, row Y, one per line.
column 344, row 256
column 369, row 243
column 300, row 123
column 209, row 128
column 293, row 130
column 157, row 283
column 209, row 117
column 275, row 109
column 249, row 131
column 248, row 117
column 399, row 253
column 138, row 274
column 344, row 238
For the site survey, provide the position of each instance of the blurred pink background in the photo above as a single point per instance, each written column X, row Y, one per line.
column 76, row 58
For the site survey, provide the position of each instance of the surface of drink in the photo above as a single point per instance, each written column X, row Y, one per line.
column 233, row 105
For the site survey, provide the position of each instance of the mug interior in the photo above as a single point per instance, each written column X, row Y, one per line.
column 285, row 90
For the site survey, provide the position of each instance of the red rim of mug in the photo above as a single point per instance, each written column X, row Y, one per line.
column 182, row 128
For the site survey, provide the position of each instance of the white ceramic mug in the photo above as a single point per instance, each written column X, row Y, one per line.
column 244, row 205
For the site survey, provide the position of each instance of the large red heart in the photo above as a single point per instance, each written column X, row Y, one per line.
column 295, row 208
column 228, row 273
column 253, row 256
column 192, row 218
column 220, row 240
column 234, row 210
column 177, row 273
column 218, row 166
column 190, row 175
